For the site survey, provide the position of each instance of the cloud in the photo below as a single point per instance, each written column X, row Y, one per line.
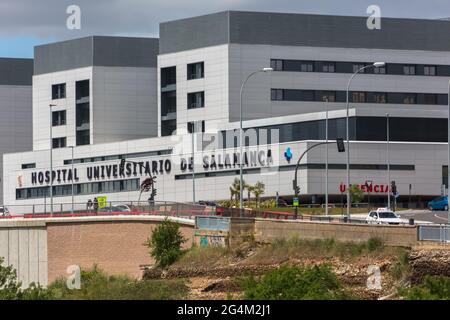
column 47, row 18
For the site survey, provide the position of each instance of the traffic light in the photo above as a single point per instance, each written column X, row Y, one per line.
column 153, row 194
column 393, row 188
column 340, row 145
column 296, row 187
column 122, row 165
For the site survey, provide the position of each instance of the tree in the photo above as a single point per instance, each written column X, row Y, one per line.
column 11, row 288
column 296, row 283
column 165, row 243
column 250, row 189
column 356, row 194
column 235, row 189
column 258, row 190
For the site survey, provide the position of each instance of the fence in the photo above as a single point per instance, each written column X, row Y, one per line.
column 439, row 233
column 108, row 208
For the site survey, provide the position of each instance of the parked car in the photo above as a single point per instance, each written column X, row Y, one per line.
column 123, row 208
column 440, row 203
column 383, row 216
column 117, row 208
column 282, row 203
column 4, row 212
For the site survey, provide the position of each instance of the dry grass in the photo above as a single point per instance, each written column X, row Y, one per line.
column 282, row 250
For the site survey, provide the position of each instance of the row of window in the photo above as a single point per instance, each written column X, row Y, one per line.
column 81, row 90
column 358, row 96
column 79, row 189
column 121, row 156
column 310, row 166
column 194, row 71
column 352, row 67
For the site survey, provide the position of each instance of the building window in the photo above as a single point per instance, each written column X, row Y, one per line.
column 195, row 70
column 307, row 66
column 59, row 118
column 329, row 67
column 379, row 97
column 359, row 97
column 277, row 94
column 168, row 76
column 429, row 70
column 329, row 96
column 379, row 70
column 429, row 98
column 196, row 100
column 59, row 142
column 83, row 137
column 196, row 126
column 359, row 66
column 168, row 127
column 276, row 64
column 82, row 89
column 29, row 166
column 58, row 91
column 409, row 70
column 409, row 98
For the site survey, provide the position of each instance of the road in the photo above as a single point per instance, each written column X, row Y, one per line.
column 425, row 215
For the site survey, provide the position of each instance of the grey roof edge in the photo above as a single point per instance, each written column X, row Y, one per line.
column 107, row 51
column 288, row 29
column 16, row 71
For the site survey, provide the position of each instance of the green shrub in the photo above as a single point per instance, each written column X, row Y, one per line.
column 432, row 288
column 165, row 243
column 374, row 244
column 296, row 283
column 10, row 287
column 97, row 285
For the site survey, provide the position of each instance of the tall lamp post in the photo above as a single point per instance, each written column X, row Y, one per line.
column 51, row 158
column 388, row 162
column 72, row 147
column 241, row 181
column 374, row 65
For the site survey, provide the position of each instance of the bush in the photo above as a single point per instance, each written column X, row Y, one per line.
column 432, row 288
column 296, row 283
column 97, row 285
column 374, row 244
column 165, row 243
column 10, row 287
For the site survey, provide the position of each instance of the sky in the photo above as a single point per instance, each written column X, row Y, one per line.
column 26, row 23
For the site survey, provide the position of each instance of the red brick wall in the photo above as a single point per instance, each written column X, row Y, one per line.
column 116, row 247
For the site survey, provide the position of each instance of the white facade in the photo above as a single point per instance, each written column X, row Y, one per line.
column 122, row 104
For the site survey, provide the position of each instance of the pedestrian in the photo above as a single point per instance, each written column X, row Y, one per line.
column 89, row 205
column 95, row 205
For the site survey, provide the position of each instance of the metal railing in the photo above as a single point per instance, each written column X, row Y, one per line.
column 439, row 233
column 108, row 208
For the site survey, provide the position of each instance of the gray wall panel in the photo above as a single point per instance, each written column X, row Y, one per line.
column 289, row 29
column 17, row 72
column 95, row 51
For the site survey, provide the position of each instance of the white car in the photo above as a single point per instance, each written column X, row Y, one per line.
column 383, row 216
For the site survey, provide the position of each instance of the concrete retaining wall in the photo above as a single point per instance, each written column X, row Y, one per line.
column 42, row 249
column 24, row 246
column 269, row 230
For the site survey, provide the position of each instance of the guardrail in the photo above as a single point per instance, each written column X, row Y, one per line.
column 108, row 208
column 439, row 233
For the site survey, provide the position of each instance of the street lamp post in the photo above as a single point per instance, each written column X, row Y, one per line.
column 51, row 159
column 374, row 65
column 241, row 183
column 388, row 161
column 326, row 160
column 72, row 147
